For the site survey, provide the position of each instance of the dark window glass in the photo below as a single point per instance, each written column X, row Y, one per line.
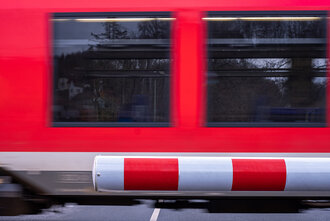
column 266, row 69
column 111, row 69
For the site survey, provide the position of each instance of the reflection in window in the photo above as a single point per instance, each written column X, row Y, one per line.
column 111, row 67
column 267, row 70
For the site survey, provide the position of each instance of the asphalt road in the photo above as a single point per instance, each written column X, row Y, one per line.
column 146, row 211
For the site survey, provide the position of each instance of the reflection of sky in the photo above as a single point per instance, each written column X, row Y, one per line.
column 319, row 63
column 271, row 63
column 320, row 80
column 316, row 63
column 283, row 63
column 80, row 32
column 69, row 49
column 279, row 81
column 277, row 64
column 83, row 30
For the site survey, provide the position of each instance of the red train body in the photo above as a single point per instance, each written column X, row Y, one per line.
column 59, row 160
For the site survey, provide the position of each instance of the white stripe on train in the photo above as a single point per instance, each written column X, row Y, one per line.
column 83, row 161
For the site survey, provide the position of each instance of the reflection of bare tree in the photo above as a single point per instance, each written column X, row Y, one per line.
column 145, row 30
column 247, row 97
column 264, row 29
column 259, row 68
column 154, row 30
column 236, row 98
column 126, row 89
column 112, row 30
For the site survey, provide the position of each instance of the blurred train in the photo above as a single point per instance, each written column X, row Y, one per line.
column 152, row 99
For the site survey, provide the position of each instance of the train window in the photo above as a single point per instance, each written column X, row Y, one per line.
column 266, row 69
column 111, row 69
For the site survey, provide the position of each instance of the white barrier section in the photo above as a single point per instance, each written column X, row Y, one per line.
column 203, row 174
column 108, row 173
column 307, row 174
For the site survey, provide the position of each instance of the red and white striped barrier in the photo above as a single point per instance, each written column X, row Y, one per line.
column 211, row 174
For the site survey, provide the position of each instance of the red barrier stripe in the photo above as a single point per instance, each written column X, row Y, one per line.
column 259, row 174
column 151, row 174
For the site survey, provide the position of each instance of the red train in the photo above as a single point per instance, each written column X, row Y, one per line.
column 197, row 99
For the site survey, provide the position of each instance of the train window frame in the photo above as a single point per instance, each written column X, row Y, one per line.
column 168, row 15
column 233, row 124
